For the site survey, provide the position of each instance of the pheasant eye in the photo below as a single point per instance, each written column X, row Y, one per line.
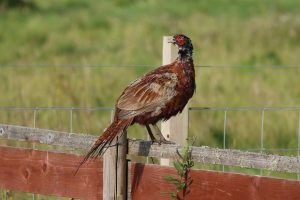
column 179, row 40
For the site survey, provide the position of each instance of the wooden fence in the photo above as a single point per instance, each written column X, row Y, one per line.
column 52, row 172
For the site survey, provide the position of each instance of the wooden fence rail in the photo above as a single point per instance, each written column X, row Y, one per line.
column 203, row 154
column 52, row 173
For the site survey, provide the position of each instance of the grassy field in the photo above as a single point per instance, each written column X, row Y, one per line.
column 115, row 34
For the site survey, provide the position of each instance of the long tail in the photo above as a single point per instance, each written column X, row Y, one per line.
column 103, row 142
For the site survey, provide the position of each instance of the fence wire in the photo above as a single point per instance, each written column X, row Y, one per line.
column 262, row 109
column 247, row 108
column 78, row 65
column 35, row 108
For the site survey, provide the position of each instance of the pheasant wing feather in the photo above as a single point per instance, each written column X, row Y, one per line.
column 146, row 94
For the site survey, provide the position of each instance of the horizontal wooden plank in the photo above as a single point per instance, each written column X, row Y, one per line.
column 143, row 148
column 52, row 173
column 148, row 184
column 49, row 173
column 44, row 136
column 228, row 157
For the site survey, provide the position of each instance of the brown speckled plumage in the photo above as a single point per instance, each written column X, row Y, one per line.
column 158, row 95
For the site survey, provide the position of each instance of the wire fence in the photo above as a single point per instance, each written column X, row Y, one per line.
column 70, row 109
column 76, row 65
column 261, row 109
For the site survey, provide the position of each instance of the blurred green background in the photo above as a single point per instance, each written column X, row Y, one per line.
column 47, row 49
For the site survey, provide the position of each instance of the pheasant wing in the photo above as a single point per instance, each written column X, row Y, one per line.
column 147, row 94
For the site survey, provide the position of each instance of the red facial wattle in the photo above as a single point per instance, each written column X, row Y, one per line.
column 179, row 40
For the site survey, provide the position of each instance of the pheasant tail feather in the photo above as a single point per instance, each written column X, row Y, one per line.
column 116, row 128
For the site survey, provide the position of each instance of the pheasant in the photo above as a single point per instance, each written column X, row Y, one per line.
column 158, row 95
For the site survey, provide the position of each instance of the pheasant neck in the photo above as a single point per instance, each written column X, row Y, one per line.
column 185, row 54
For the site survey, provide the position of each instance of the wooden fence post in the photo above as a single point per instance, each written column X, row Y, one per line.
column 122, row 167
column 176, row 128
column 115, row 170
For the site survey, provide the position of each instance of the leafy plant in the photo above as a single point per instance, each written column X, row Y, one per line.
column 183, row 166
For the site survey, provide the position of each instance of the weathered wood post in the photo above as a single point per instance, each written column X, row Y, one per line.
column 176, row 128
column 115, row 170
column 122, row 150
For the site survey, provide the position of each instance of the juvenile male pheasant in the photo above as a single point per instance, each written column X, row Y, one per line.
column 158, row 95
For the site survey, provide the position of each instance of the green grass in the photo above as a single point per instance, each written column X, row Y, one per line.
column 114, row 33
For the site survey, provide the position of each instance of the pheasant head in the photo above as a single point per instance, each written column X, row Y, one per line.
column 185, row 47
